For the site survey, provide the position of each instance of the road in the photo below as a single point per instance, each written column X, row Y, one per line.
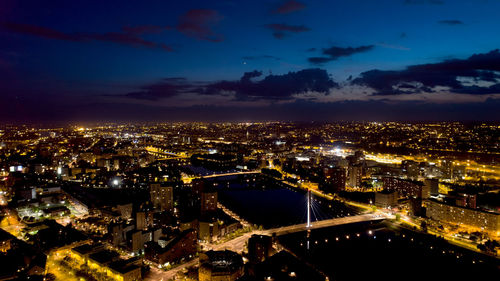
column 159, row 275
column 324, row 223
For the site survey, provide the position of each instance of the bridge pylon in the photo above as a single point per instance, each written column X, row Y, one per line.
column 308, row 208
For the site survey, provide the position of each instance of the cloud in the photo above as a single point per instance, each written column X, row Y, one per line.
column 451, row 22
column 247, row 76
column 335, row 52
column 280, row 30
column 274, row 87
column 479, row 74
column 123, row 38
column 199, row 23
column 40, row 31
column 319, row 60
column 128, row 39
column 167, row 88
column 289, row 7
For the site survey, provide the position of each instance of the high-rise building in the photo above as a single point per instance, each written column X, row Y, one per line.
column 162, row 197
column 447, row 168
column 405, row 188
column 208, row 201
column 355, row 173
column 488, row 221
column 386, row 198
column 335, row 178
column 143, row 220
column 410, row 169
column 259, row 248
column 197, row 186
column 137, row 242
column 431, row 188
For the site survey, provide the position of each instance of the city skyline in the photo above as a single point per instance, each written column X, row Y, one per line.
column 250, row 201
column 265, row 60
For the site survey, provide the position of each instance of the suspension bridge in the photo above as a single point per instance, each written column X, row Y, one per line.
column 309, row 225
column 322, row 224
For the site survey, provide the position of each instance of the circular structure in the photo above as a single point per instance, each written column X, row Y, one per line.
column 217, row 265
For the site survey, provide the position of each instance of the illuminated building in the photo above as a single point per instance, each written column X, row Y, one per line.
column 220, row 265
column 447, row 168
column 208, row 230
column 386, row 198
column 107, row 263
column 162, row 197
column 214, row 225
column 198, row 185
column 208, row 201
column 335, row 178
column 125, row 210
column 410, row 169
column 143, row 219
column 459, row 215
column 431, row 187
column 355, row 173
column 259, row 248
column 137, row 241
column 117, row 235
column 183, row 245
column 405, row 188
column 466, row 200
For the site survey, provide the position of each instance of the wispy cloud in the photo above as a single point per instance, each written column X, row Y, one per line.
column 123, row 38
column 280, row 30
column 289, row 7
column 335, row 52
column 451, row 22
column 199, row 23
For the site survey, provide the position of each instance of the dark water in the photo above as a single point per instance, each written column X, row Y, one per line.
column 351, row 252
column 278, row 206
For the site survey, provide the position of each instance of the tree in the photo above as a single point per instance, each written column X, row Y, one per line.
column 423, row 226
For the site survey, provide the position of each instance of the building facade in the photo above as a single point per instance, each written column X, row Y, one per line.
column 459, row 215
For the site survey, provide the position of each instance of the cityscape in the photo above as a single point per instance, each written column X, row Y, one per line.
column 260, row 140
column 202, row 201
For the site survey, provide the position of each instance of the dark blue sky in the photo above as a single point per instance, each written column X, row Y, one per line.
column 249, row 60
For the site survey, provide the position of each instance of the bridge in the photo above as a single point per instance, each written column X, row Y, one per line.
column 323, row 223
column 159, row 152
column 238, row 244
column 230, row 174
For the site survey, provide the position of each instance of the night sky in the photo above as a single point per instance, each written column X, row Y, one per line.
column 77, row 61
